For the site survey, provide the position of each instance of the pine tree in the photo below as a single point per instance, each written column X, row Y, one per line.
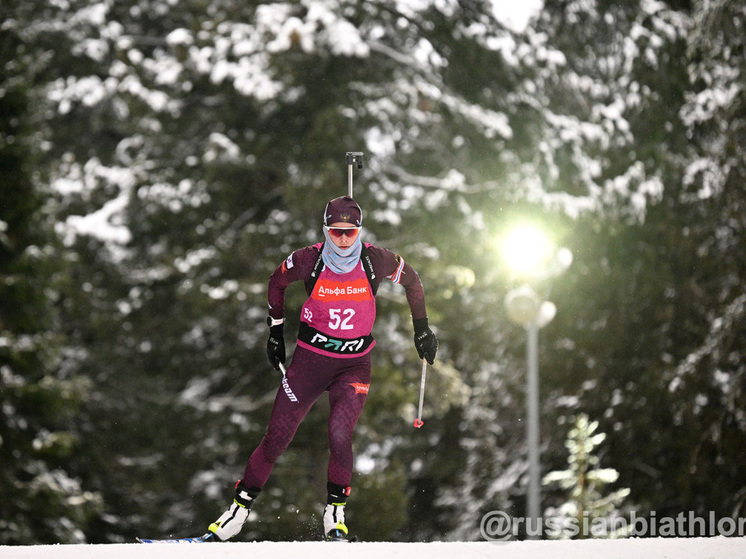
column 588, row 511
column 41, row 499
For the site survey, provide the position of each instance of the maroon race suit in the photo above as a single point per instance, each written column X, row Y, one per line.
column 334, row 341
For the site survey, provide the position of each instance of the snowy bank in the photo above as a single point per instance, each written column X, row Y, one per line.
column 647, row 548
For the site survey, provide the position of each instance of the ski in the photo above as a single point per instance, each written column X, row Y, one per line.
column 209, row 537
column 341, row 539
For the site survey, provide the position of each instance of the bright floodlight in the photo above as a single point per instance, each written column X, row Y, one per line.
column 526, row 250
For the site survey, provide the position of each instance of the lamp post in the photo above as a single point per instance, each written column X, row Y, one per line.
column 528, row 252
column 532, row 429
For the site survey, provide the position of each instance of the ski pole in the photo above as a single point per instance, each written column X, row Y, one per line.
column 418, row 422
column 352, row 157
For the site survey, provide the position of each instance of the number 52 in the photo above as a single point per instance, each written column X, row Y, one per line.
column 340, row 319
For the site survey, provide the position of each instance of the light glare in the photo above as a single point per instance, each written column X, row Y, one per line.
column 526, row 249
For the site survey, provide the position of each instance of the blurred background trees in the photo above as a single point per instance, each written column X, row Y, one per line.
column 160, row 159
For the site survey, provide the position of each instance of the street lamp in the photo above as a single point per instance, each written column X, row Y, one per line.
column 529, row 254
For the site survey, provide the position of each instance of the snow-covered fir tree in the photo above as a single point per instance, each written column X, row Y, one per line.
column 588, row 511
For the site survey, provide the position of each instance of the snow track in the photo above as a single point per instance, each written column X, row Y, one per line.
column 648, row 548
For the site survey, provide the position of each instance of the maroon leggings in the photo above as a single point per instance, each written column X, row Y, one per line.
column 308, row 377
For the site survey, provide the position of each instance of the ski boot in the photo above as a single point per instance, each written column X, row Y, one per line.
column 335, row 529
column 231, row 521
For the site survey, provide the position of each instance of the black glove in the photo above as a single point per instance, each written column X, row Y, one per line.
column 276, row 346
column 424, row 340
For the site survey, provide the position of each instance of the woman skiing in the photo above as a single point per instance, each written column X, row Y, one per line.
column 341, row 277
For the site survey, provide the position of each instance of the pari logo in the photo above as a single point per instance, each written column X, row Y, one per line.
column 360, row 388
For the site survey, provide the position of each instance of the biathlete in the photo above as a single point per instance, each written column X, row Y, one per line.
column 341, row 277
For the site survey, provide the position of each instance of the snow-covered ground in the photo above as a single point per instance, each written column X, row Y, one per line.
column 647, row 548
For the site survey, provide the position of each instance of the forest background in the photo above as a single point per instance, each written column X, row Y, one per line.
column 159, row 158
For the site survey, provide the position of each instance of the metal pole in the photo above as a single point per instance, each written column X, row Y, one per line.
column 349, row 180
column 352, row 157
column 532, row 431
column 418, row 422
